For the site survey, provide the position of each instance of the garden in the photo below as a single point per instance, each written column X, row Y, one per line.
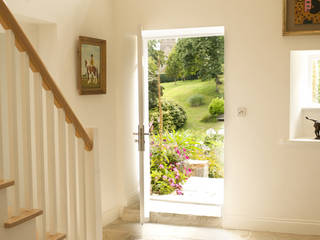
column 186, row 112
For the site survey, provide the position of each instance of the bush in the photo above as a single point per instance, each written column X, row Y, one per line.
column 216, row 107
column 196, row 100
column 167, row 169
column 166, row 78
column 174, row 117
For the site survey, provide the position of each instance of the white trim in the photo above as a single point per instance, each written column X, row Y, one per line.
column 295, row 226
column 110, row 215
column 183, row 32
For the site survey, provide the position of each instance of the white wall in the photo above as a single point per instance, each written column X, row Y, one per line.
column 54, row 28
column 269, row 184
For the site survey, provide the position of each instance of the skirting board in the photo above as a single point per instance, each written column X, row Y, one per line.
column 110, row 215
column 295, row 226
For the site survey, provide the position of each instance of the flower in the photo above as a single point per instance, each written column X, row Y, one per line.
column 179, row 192
column 184, row 150
column 177, row 176
column 164, row 177
column 211, row 132
column 189, row 171
column 161, row 166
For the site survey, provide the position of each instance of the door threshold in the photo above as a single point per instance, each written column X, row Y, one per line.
column 189, row 209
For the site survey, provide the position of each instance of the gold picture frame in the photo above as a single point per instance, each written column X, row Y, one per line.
column 92, row 66
column 297, row 22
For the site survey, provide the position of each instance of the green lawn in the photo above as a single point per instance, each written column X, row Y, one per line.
column 182, row 91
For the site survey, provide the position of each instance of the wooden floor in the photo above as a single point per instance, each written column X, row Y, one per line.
column 134, row 231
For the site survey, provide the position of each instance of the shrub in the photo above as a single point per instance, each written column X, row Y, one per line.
column 174, row 117
column 167, row 169
column 196, row 100
column 216, row 107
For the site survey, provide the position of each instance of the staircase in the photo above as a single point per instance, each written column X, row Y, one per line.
column 49, row 166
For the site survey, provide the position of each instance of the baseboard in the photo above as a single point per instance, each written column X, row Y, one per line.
column 110, row 215
column 295, row 226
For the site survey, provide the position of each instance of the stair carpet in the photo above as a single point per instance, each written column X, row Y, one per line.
column 26, row 215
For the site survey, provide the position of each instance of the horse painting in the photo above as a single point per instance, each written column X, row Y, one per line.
column 92, row 73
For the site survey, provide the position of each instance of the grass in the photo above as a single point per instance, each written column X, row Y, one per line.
column 182, row 91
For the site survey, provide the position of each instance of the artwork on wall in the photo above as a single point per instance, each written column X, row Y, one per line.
column 301, row 17
column 92, row 66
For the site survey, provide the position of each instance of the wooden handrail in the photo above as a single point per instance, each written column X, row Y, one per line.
column 8, row 21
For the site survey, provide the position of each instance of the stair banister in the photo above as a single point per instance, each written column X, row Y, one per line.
column 8, row 21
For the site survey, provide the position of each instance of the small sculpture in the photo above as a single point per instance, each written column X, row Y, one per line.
column 316, row 127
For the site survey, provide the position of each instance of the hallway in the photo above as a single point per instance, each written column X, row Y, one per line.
column 120, row 230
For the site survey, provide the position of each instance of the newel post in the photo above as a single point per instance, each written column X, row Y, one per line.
column 93, row 189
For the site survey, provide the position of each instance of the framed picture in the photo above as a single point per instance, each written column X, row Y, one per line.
column 92, row 66
column 301, row 17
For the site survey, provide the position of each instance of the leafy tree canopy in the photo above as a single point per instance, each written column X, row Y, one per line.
column 201, row 57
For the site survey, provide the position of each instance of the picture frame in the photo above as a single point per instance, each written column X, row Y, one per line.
column 299, row 19
column 92, row 66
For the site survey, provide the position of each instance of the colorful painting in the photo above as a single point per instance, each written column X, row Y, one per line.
column 307, row 12
column 90, row 67
column 92, row 79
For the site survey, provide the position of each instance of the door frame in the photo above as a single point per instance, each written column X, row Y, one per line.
column 144, row 35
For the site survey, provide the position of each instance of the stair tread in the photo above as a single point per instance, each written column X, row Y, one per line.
column 6, row 183
column 25, row 216
column 57, row 236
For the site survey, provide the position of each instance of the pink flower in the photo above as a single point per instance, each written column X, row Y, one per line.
column 164, row 177
column 172, row 184
column 179, row 192
column 171, row 180
column 177, row 176
column 184, row 150
column 161, row 166
column 189, row 171
column 187, row 157
column 178, row 164
column 175, row 169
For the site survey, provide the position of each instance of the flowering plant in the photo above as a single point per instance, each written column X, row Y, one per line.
column 168, row 172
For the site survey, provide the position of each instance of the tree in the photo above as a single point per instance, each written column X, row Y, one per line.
column 174, row 68
column 153, row 54
column 201, row 57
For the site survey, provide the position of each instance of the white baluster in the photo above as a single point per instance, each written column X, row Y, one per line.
column 2, row 101
column 26, row 131
column 93, row 198
column 52, row 186
column 13, row 121
column 3, row 123
column 81, row 191
column 62, row 179
column 72, row 183
column 39, row 154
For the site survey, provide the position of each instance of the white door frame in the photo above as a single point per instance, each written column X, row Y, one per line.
column 144, row 153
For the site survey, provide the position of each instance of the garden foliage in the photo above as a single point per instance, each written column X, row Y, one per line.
column 174, row 117
column 168, row 172
column 196, row 100
column 216, row 107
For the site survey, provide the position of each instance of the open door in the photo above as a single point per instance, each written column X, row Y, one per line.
column 143, row 129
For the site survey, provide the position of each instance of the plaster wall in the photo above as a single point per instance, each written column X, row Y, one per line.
column 270, row 183
column 54, row 27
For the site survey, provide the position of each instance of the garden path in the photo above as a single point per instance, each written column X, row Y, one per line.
column 198, row 190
